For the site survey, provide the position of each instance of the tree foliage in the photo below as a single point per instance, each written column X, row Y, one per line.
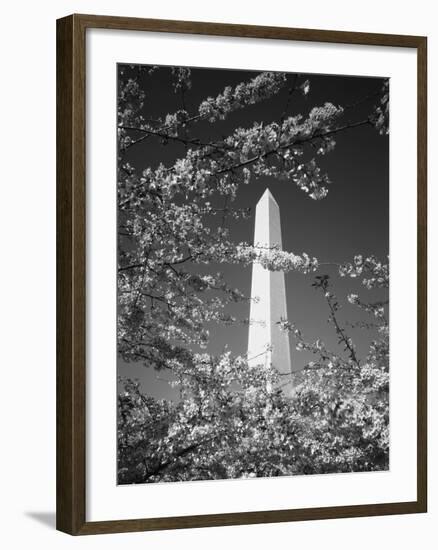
column 232, row 418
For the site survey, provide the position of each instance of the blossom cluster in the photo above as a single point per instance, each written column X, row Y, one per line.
column 380, row 116
column 182, row 78
column 261, row 87
column 375, row 272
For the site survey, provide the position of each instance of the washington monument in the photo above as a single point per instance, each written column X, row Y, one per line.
column 267, row 343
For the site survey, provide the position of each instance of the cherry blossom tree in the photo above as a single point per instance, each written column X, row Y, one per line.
column 232, row 418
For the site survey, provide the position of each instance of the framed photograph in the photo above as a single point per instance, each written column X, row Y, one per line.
column 241, row 274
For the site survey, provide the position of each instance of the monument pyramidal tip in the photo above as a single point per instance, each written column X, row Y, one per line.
column 267, row 343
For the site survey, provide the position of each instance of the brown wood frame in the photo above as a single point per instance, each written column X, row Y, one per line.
column 71, row 300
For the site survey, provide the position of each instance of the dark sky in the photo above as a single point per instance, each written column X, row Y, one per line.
column 352, row 219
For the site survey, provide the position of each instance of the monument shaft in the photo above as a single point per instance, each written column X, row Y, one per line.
column 269, row 289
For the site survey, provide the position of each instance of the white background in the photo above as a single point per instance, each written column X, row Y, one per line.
column 28, row 274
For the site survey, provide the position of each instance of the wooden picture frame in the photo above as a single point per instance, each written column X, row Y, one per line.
column 71, row 272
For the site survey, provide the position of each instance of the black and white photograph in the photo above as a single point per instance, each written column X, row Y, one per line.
column 253, row 274
column 217, row 289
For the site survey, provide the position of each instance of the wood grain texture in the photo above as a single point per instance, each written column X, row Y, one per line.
column 422, row 275
column 71, row 269
column 247, row 31
column 70, row 423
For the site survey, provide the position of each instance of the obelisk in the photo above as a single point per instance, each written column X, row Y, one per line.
column 267, row 343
